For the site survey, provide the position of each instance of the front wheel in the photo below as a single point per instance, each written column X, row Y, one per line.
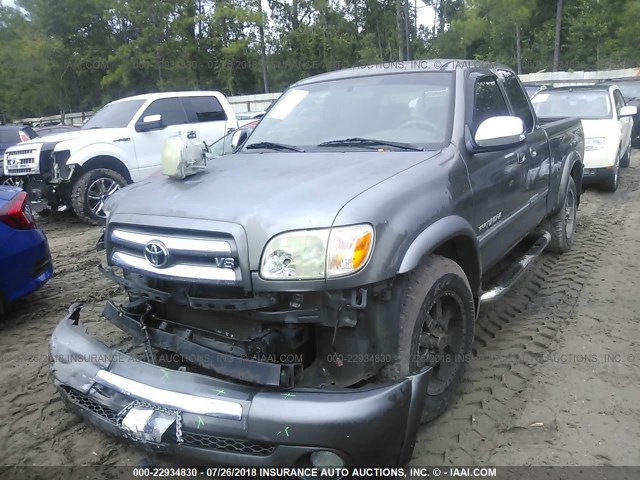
column 13, row 181
column 90, row 192
column 436, row 326
column 626, row 159
column 613, row 175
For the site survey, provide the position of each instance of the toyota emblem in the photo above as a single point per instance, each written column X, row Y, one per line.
column 156, row 254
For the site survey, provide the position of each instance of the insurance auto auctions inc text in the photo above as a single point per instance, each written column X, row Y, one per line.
column 374, row 472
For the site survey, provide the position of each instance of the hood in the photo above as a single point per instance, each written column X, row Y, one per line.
column 601, row 128
column 266, row 193
column 80, row 136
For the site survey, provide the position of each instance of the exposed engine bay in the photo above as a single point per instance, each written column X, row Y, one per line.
column 279, row 340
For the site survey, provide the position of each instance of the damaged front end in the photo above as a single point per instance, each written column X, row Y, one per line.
column 231, row 374
column 210, row 420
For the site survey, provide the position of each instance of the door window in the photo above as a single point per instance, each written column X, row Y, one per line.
column 488, row 101
column 518, row 98
column 171, row 110
column 617, row 96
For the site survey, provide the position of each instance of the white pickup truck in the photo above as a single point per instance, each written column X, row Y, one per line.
column 119, row 145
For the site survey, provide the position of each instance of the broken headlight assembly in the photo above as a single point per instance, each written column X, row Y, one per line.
column 317, row 254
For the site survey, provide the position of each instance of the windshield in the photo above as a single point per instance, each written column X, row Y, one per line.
column 114, row 115
column 531, row 89
column 411, row 108
column 584, row 104
column 630, row 90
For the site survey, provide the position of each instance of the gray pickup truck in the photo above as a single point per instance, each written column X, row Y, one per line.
column 311, row 298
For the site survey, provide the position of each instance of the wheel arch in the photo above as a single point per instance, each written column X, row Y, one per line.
column 572, row 168
column 576, row 174
column 103, row 161
column 450, row 237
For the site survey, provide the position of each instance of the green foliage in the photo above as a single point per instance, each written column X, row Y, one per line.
column 72, row 55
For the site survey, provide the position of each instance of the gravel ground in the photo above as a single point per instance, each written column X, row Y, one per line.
column 555, row 380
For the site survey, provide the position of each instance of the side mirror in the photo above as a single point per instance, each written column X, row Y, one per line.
column 628, row 111
column 500, row 132
column 150, row 122
column 238, row 137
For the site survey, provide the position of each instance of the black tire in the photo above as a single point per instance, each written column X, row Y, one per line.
column 437, row 288
column 626, row 159
column 92, row 188
column 562, row 225
column 612, row 180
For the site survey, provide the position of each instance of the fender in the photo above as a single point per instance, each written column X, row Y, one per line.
column 435, row 235
column 567, row 165
column 81, row 156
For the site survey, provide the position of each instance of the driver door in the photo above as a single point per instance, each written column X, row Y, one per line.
column 498, row 179
column 148, row 144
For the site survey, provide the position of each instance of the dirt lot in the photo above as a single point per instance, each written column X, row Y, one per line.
column 555, row 381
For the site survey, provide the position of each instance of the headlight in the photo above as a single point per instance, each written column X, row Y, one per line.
column 317, row 254
column 595, row 143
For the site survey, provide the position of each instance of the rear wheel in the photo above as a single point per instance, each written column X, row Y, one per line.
column 90, row 192
column 436, row 326
column 562, row 225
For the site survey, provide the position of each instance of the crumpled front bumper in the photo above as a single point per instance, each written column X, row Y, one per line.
column 218, row 422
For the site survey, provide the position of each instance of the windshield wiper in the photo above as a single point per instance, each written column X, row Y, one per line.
column 273, row 146
column 369, row 142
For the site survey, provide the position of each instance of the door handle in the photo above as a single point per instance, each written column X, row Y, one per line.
column 521, row 157
column 533, row 152
column 191, row 134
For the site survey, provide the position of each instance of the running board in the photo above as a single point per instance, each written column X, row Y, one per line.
column 515, row 271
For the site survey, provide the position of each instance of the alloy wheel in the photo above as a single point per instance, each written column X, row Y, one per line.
column 441, row 341
column 98, row 192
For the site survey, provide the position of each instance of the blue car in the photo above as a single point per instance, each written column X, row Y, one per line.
column 25, row 261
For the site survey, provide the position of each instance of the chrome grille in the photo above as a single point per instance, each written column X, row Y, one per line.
column 22, row 161
column 203, row 256
column 23, row 152
column 20, row 171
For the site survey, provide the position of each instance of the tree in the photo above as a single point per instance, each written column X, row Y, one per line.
column 556, row 41
column 78, row 54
